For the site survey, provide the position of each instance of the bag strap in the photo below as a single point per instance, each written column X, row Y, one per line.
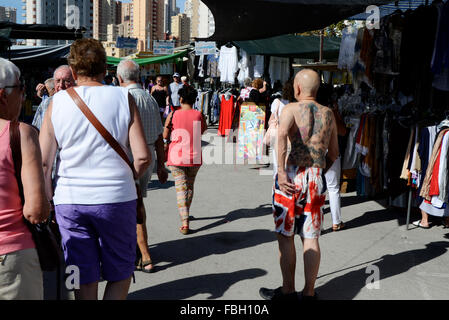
column 100, row 128
column 14, row 142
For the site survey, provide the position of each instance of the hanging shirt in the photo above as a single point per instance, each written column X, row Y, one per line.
column 244, row 67
column 228, row 64
column 258, row 66
column 279, row 69
column 347, row 48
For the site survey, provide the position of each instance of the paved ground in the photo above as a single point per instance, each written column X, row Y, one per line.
column 233, row 251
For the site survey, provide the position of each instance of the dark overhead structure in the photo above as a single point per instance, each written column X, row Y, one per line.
column 39, row 31
column 238, row 20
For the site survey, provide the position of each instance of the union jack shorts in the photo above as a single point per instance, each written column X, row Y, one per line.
column 301, row 213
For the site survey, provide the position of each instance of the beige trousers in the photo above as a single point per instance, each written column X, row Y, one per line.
column 21, row 276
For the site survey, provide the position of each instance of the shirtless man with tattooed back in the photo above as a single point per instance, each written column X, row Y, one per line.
column 299, row 191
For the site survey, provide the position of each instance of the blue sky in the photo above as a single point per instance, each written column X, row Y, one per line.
column 18, row 4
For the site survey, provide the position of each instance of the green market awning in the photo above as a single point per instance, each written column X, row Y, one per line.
column 153, row 60
column 307, row 47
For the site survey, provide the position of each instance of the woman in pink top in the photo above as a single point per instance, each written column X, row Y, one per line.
column 20, row 272
column 184, row 152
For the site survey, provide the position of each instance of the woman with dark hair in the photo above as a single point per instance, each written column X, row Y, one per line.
column 95, row 194
column 160, row 93
column 184, row 128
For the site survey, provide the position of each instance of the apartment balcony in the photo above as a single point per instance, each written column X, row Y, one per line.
column 24, row 15
column 24, row 7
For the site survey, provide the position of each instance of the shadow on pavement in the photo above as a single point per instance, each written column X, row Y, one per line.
column 214, row 284
column 349, row 201
column 347, row 286
column 260, row 211
column 155, row 184
column 189, row 249
column 377, row 216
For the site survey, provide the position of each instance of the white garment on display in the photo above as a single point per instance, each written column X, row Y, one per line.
column 350, row 157
column 201, row 67
column 228, row 64
column 244, row 67
column 258, row 63
column 279, row 69
column 347, row 49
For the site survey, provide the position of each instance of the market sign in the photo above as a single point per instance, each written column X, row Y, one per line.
column 205, row 48
column 126, row 43
column 162, row 47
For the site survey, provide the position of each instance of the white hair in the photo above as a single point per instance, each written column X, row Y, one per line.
column 9, row 74
column 64, row 66
column 50, row 82
column 128, row 70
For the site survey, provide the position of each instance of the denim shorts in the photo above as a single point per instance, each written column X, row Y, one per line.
column 99, row 239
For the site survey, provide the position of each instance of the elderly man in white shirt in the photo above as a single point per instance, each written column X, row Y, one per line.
column 128, row 73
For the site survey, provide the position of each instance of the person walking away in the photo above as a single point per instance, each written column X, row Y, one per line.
column 20, row 272
column 184, row 127
column 173, row 92
column 324, row 97
column 299, row 188
column 128, row 75
column 160, row 94
column 62, row 80
column 288, row 96
column 95, row 194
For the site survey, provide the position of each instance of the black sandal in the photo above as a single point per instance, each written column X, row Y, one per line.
column 144, row 264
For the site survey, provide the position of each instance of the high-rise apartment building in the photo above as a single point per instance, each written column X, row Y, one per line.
column 73, row 14
column 8, row 14
column 170, row 10
column 201, row 19
column 180, row 26
column 106, row 12
column 148, row 21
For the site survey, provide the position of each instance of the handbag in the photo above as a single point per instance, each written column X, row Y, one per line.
column 170, row 128
column 114, row 144
column 45, row 235
column 272, row 130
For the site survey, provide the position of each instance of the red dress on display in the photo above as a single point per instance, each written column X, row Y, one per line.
column 226, row 115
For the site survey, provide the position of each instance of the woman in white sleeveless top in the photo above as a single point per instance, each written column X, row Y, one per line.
column 95, row 194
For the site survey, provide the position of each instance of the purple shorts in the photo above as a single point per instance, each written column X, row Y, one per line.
column 99, row 239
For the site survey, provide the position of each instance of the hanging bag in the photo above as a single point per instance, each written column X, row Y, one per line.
column 113, row 143
column 46, row 235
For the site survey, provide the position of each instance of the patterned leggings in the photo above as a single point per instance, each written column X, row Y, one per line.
column 184, row 181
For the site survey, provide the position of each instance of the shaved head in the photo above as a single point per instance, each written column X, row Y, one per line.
column 307, row 83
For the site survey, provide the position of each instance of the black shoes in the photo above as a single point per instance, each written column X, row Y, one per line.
column 277, row 295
